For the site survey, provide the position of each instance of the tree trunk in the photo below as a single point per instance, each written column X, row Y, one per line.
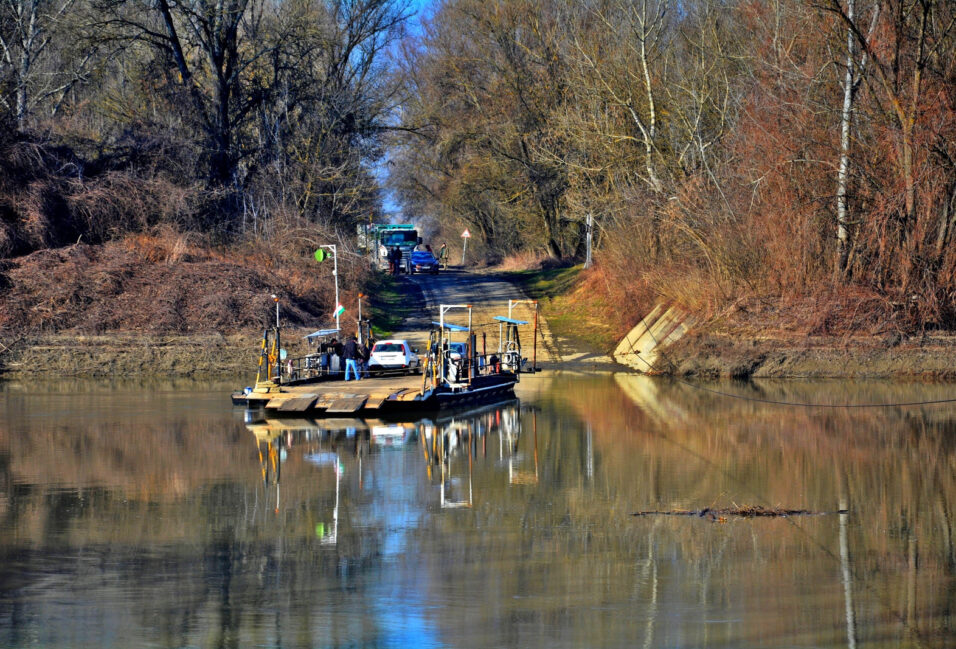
column 551, row 226
column 28, row 19
column 849, row 89
column 221, row 166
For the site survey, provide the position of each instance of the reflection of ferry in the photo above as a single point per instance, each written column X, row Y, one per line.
column 392, row 434
column 301, row 429
column 449, row 443
column 450, row 378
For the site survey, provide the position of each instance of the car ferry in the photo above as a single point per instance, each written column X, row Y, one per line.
column 451, row 376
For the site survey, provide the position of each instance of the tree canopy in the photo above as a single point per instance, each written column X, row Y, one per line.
column 777, row 148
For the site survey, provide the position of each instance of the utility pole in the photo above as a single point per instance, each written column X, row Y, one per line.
column 359, row 323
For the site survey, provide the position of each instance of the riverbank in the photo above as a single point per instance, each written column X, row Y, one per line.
column 130, row 355
column 586, row 323
column 401, row 307
column 698, row 355
column 174, row 355
column 578, row 330
column 157, row 306
column 711, row 355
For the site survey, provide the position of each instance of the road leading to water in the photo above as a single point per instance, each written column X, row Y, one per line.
column 488, row 293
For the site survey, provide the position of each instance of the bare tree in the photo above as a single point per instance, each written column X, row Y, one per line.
column 213, row 47
column 31, row 31
column 853, row 75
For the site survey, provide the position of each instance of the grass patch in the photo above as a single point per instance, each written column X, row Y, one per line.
column 391, row 300
column 546, row 283
column 573, row 310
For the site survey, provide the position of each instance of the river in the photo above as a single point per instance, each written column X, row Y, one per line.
column 156, row 515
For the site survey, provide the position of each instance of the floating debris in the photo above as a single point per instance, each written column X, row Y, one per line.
column 748, row 511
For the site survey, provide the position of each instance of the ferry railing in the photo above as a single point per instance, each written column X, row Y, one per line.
column 311, row 367
column 456, row 369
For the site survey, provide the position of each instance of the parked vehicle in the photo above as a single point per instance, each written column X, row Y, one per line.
column 378, row 239
column 456, row 351
column 422, row 261
column 393, row 356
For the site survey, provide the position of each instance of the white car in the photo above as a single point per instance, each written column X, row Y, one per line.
column 393, row 356
column 456, row 351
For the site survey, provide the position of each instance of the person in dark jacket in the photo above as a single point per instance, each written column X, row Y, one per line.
column 396, row 260
column 352, row 356
column 366, row 355
column 338, row 364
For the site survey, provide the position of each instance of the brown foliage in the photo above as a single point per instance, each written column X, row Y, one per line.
column 900, row 257
column 155, row 283
column 47, row 201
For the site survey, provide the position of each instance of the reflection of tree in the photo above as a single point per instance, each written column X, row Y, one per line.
column 685, row 448
column 559, row 557
column 163, row 529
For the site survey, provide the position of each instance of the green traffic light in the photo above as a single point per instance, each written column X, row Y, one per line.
column 321, row 255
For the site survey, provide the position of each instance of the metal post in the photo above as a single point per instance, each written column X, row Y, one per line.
column 440, row 355
column 587, row 238
column 464, row 247
column 360, row 341
column 275, row 298
column 335, row 274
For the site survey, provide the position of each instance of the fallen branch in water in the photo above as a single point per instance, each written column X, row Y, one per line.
column 748, row 511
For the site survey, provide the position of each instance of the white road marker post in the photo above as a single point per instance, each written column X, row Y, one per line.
column 464, row 244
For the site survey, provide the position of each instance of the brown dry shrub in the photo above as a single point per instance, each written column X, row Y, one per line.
column 165, row 244
column 50, row 198
column 118, row 203
column 847, row 310
column 111, row 287
column 524, row 260
column 7, row 237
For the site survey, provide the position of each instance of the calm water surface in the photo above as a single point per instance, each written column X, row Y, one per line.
column 158, row 516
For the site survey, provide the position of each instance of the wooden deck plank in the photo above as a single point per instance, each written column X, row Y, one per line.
column 347, row 404
column 375, row 401
column 277, row 401
column 298, row 403
column 326, row 399
column 342, row 396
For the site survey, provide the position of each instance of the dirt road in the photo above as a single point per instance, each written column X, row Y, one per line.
column 488, row 293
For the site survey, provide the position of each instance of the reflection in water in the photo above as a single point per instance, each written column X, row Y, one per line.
column 156, row 515
column 449, row 443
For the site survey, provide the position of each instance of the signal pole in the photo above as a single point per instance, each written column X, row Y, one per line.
column 335, row 274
